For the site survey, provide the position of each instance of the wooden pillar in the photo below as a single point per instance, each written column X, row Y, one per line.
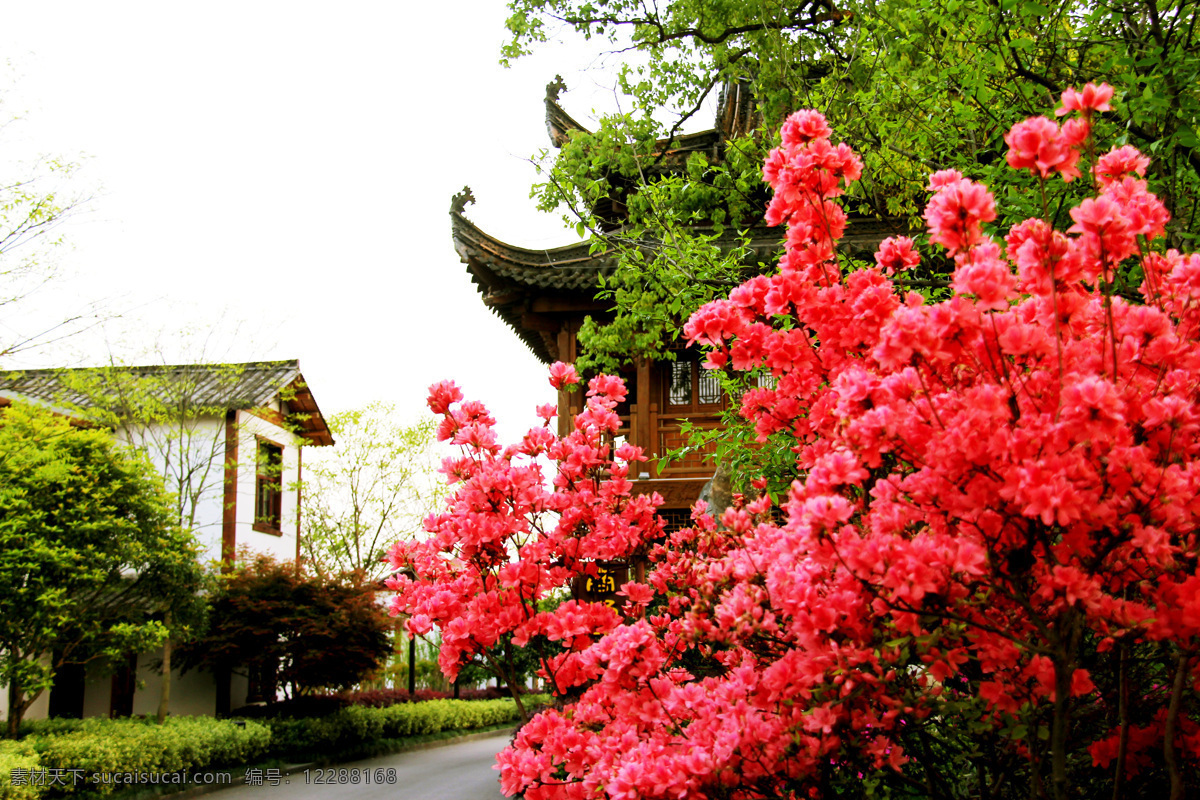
column 299, row 499
column 569, row 403
column 640, row 429
column 229, row 513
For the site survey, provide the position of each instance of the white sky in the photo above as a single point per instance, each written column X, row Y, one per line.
column 284, row 170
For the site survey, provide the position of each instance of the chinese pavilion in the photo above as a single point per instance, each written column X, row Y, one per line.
column 545, row 295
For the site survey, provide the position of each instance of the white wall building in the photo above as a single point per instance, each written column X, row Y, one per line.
column 228, row 440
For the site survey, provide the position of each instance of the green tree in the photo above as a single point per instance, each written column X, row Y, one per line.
column 176, row 416
column 292, row 630
column 373, row 487
column 90, row 552
column 913, row 85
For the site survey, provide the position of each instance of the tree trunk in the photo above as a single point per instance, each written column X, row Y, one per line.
column 1170, row 755
column 164, row 698
column 1069, row 632
column 18, row 704
column 1122, row 719
column 15, row 710
column 412, row 665
column 223, row 677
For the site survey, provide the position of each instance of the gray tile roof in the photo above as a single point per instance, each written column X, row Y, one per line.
column 209, row 386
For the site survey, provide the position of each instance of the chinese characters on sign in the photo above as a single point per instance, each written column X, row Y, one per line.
column 602, row 587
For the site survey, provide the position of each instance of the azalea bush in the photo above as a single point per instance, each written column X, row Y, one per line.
column 513, row 540
column 986, row 582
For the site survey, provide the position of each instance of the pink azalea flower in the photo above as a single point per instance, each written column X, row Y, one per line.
column 563, row 374
column 896, row 254
column 956, row 212
column 803, row 127
column 1038, row 145
column 443, row 395
column 638, row 593
column 1118, row 163
column 1092, row 98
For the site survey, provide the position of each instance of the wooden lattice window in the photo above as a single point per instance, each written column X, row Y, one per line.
column 690, row 387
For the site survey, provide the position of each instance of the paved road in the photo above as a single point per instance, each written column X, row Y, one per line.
column 460, row 771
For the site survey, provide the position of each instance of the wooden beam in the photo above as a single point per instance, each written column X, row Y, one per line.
column 492, row 299
column 676, row 492
column 299, row 501
column 539, row 322
column 555, row 305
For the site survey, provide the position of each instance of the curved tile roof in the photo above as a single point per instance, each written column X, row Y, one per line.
column 513, row 279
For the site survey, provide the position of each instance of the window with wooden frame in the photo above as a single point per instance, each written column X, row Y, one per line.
column 689, row 396
column 268, row 487
column 690, row 388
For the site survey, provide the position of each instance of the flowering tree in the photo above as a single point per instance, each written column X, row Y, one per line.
column 507, row 541
column 986, row 584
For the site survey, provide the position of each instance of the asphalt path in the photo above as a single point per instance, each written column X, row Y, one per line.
column 461, row 771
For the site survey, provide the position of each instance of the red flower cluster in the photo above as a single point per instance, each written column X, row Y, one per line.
column 999, row 493
column 507, row 539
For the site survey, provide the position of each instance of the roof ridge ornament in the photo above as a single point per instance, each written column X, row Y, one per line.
column 458, row 203
column 555, row 87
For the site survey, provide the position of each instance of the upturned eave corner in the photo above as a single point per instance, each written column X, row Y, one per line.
column 559, row 124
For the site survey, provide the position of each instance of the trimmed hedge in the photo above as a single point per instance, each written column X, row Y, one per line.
column 357, row 725
column 388, row 697
column 100, row 745
column 191, row 743
column 18, row 755
column 97, row 746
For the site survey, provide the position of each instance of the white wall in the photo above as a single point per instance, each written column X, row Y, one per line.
column 250, row 427
column 194, row 693
column 203, row 445
column 198, row 449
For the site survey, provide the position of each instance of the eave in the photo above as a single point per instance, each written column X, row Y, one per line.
column 531, row 290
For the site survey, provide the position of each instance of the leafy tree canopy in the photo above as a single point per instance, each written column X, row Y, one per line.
column 376, row 485
column 90, row 553
column 293, row 630
column 914, row 86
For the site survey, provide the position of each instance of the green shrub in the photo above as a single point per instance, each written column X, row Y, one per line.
column 17, row 755
column 49, row 727
column 102, row 746
column 357, row 725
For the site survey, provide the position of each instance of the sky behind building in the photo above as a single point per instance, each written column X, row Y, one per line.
column 276, row 177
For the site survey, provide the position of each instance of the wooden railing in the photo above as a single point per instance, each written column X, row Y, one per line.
column 667, row 436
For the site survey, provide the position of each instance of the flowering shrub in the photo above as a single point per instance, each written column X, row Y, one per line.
column 382, row 698
column 508, row 540
column 985, row 584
